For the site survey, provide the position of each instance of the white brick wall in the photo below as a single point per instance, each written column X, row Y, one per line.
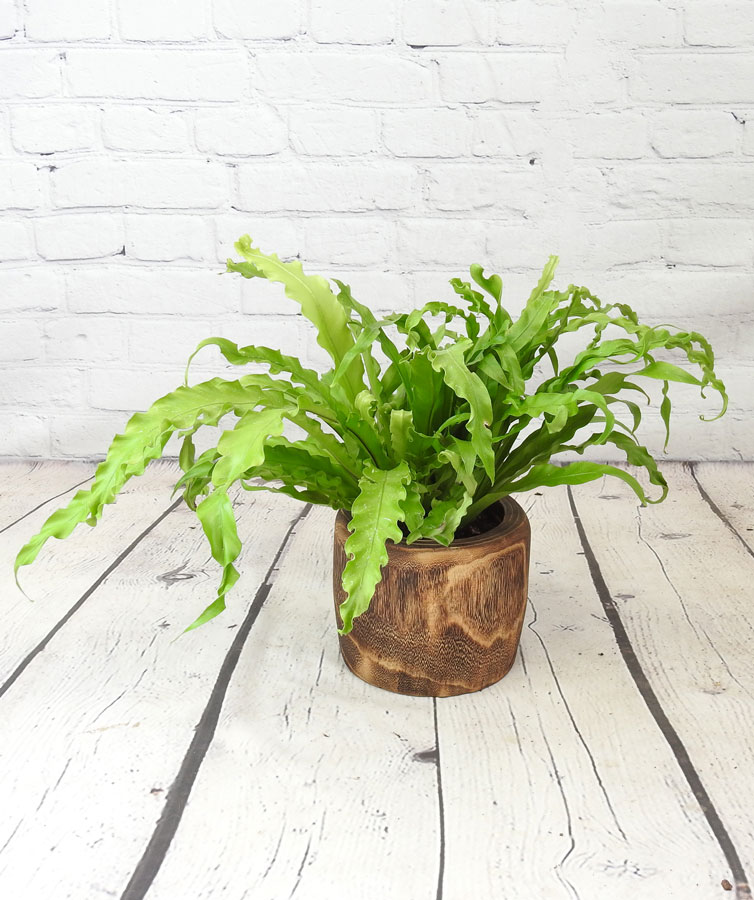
column 390, row 144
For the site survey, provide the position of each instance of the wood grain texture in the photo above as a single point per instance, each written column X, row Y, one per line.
column 443, row 620
column 317, row 785
column 727, row 488
column 556, row 781
column 28, row 485
column 681, row 582
column 64, row 571
column 95, row 730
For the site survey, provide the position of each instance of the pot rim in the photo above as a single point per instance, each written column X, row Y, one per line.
column 513, row 517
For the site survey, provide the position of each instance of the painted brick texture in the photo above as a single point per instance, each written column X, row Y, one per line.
column 387, row 144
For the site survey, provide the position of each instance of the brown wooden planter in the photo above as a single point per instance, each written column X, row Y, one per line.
column 443, row 620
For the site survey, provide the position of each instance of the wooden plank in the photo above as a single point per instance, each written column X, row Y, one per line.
column 64, row 571
column 312, row 787
column 728, row 488
column 681, row 583
column 96, row 729
column 25, row 485
column 556, row 781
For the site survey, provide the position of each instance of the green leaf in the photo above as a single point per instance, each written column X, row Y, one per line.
column 277, row 361
column 243, row 447
column 413, row 508
column 493, row 285
column 667, row 372
column 469, row 386
column 374, row 520
column 143, row 439
column 219, row 524
column 444, row 517
column 318, row 304
column 538, row 306
column 547, row 475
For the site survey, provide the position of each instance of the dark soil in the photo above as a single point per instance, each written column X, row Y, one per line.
column 486, row 520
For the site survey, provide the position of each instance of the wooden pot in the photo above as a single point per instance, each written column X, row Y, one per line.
column 443, row 620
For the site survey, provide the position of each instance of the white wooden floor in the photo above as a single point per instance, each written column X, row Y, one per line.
column 243, row 760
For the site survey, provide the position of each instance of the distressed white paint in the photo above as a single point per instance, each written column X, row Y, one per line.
column 96, row 727
column 682, row 584
column 557, row 777
column 556, row 781
column 390, row 144
column 327, row 798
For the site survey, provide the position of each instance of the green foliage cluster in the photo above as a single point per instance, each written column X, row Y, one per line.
column 423, row 421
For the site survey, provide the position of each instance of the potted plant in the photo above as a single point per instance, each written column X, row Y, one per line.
column 418, row 435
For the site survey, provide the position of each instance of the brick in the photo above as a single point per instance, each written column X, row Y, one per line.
column 528, row 23
column 462, row 186
column 22, row 340
column 579, row 245
column 154, row 184
column 257, row 19
column 30, row 290
column 652, row 189
column 41, row 387
column 693, row 78
column 84, row 435
column 261, row 298
column 160, row 74
column 610, row 135
column 343, row 22
column 281, row 235
column 318, row 186
column 638, row 24
column 675, row 295
column 168, row 20
column 507, row 77
column 67, row 20
column 615, row 244
column 440, row 241
column 19, row 186
column 24, row 435
column 15, row 241
column 693, row 133
column 592, row 74
column 719, row 24
column 326, row 76
column 446, row 22
column 362, row 241
column 129, row 389
column 516, row 246
column 6, row 148
column 29, row 73
column 250, row 131
column 427, row 132
column 748, row 144
column 54, row 127
column 334, row 131
column 81, row 236
column 173, row 342
column 171, row 237
column 128, row 127
column 710, row 242
column 72, row 339
column 133, row 290
column 8, row 19
column 501, row 132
